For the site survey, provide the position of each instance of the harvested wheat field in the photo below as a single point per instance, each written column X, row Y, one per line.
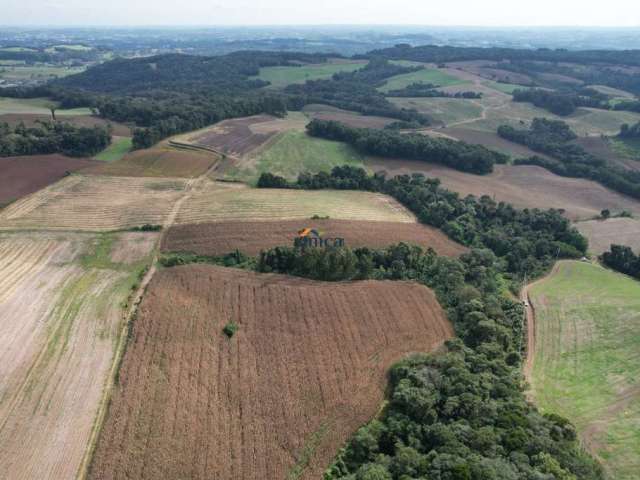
column 220, row 201
column 240, row 136
column 94, row 203
column 603, row 233
column 21, row 176
column 305, row 369
column 219, row 238
column 523, row 186
column 60, row 318
column 159, row 161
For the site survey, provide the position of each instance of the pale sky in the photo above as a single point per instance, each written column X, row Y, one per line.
column 322, row 12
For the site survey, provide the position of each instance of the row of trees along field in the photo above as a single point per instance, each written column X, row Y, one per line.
column 563, row 102
column 524, row 241
column 52, row 137
column 630, row 131
column 388, row 143
column 429, row 90
column 459, row 415
column 357, row 91
column 622, row 259
column 553, row 138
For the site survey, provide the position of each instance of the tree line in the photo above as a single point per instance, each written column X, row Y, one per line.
column 622, row 259
column 389, row 143
column 552, row 137
column 52, row 137
column 526, row 242
column 563, row 102
column 629, row 131
column 429, row 90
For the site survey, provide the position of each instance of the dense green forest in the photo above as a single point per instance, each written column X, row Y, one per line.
column 52, row 137
column 553, row 138
column 461, row 414
column 630, row 131
column 357, row 91
column 388, row 143
column 622, row 259
column 560, row 102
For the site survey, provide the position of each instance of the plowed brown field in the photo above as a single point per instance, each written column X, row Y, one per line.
column 305, row 369
column 522, row 186
column 603, row 233
column 20, row 176
column 159, row 161
column 250, row 237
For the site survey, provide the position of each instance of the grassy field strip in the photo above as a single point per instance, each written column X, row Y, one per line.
column 280, row 77
column 36, row 106
column 118, row 149
column 427, row 75
column 586, row 359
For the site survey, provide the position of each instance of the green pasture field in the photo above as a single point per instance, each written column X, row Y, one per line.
column 77, row 48
column 36, row 106
column 280, row 77
column 626, row 147
column 16, row 49
column 507, row 88
column 586, row 359
column 19, row 72
column 295, row 152
column 119, row 148
column 427, row 75
column 444, row 110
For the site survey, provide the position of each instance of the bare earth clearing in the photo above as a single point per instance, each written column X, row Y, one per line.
column 60, row 315
column 251, row 237
column 94, row 203
column 603, row 233
column 20, row 176
column 305, row 370
column 219, row 201
column 523, row 186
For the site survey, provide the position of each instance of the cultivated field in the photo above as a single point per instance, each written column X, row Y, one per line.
column 240, row 136
column 586, row 359
column 21, row 176
column 251, row 237
column 353, row 119
column 118, row 148
column 94, row 203
column 489, row 139
column 305, row 369
column 443, row 111
column 292, row 153
column 39, row 106
column 218, row 201
column 61, row 314
column 280, row 77
column 522, row 186
column 615, row 150
column 159, row 161
column 603, row 233
column 427, row 75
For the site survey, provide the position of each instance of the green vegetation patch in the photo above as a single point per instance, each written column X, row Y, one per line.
column 280, row 77
column 626, row 147
column 41, row 106
column 428, row 75
column 504, row 87
column 442, row 110
column 118, row 149
column 586, row 368
column 296, row 152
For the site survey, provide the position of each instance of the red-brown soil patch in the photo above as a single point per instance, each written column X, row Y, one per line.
column 490, row 140
column 523, row 186
column 250, row 237
column 305, row 369
column 600, row 147
column 20, row 176
column 159, row 161
column 29, row 119
column 236, row 136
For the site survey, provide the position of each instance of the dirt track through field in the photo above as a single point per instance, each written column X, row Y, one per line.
column 305, row 369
